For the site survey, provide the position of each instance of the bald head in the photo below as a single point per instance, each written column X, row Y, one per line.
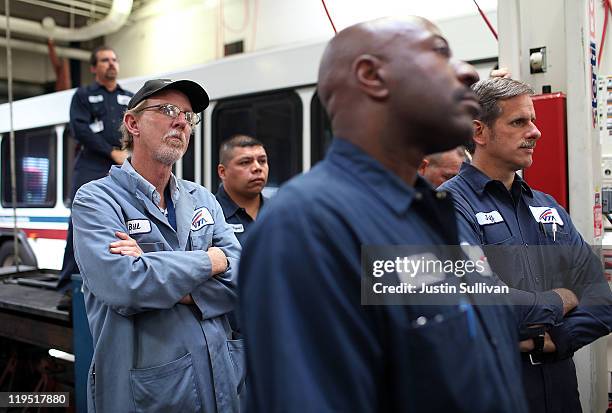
column 363, row 40
column 396, row 78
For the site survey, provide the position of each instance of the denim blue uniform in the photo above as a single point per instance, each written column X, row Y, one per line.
column 236, row 216
column 312, row 346
column 95, row 117
column 150, row 353
column 543, row 251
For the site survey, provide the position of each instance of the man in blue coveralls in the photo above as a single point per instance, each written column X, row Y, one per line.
column 95, row 116
column 394, row 95
column 535, row 246
column 159, row 270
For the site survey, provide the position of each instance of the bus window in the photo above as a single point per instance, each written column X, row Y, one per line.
column 189, row 161
column 70, row 151
column 321, row 132
column 273, row 118
column 35, row 164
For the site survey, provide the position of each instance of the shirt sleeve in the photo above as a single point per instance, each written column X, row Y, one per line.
column 80, row 120
column 592, row 318
column 531, row 307
column 217, row 295
column 129, row 285
column 300, row 310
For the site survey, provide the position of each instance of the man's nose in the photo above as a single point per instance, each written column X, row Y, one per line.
column 534, row 132
column 181, row 121
column 465, row 73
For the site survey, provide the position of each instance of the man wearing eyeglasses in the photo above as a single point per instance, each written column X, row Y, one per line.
column 158, row 263
column 96, row 111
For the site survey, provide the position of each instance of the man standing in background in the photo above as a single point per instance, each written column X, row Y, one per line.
column 96, row 112
column 438, row 168
column 243, row 169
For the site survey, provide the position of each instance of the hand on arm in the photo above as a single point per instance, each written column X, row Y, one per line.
column 528, row 345
column 570, row 301
column 125, row 246
column 218, row 260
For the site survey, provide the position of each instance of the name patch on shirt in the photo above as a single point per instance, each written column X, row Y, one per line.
column 546, row 215
column 422, row 274
column 97, row 126
column 475, row 254
column 237, row 227
column 95, row 98
column 123, row 99
column 139, row 226
column 487, row 218
column 201, row 217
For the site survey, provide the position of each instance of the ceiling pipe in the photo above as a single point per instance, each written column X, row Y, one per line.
column 116, row 18
column 67, row 52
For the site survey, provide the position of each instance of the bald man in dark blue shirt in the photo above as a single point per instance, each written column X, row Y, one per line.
column 393, row 95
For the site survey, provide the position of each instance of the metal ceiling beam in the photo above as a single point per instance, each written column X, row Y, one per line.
column 116, row 18
column 67, row 9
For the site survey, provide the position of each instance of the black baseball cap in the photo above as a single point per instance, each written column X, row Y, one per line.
column 194, row 92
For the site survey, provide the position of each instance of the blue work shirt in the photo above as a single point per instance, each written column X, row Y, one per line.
column 236, row 216
column 312, row 345
column 537, row 257
column 95, row 117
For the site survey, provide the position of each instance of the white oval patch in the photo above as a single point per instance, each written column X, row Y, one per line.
column 138, row 226
column 201, row 217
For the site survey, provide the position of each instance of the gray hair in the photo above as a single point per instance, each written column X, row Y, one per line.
column 489, row 92
column 127, row 140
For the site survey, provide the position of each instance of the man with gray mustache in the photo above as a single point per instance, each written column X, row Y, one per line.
column 159, row 266
column 530, row 242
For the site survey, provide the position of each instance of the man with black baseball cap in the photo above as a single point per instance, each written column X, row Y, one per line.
column 158, row 263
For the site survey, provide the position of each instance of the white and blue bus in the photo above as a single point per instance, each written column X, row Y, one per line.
column 269, row 95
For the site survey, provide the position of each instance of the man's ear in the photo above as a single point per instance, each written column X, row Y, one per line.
column 221, row 171
column 369, row 72
column 423, row 166
column 481, row 132
column 131, row 124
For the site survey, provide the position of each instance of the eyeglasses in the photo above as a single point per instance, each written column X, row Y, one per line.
column 174, row 112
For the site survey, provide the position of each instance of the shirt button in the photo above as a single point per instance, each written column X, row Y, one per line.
column 493, row 341
column 418, row 196
column 441, row 194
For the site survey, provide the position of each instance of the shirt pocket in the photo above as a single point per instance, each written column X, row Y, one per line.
column 152, row 246
column 444, row 343
column 201, row 242
column 497, row 234
column 170, row 387
column 561, row 235
column 98, row 110
column 237, row 357
column 507, row 259
column 553, row 259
